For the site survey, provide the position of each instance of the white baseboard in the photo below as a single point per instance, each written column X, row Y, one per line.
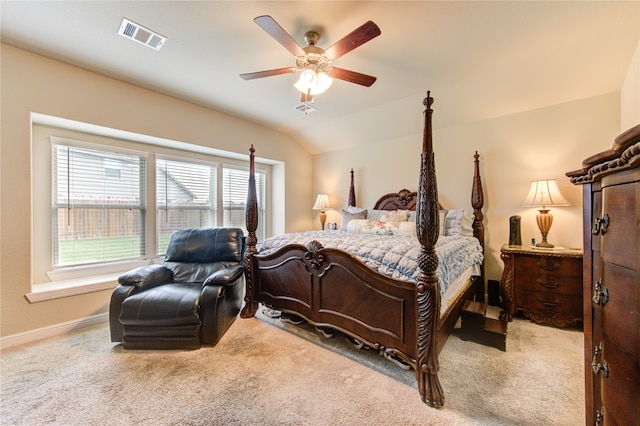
column 52, row 330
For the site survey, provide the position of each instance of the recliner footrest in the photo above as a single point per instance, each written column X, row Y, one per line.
column 167, row 305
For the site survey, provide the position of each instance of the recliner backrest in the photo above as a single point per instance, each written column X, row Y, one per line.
column 206, row 245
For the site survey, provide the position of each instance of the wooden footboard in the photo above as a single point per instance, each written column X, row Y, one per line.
column 331, row 288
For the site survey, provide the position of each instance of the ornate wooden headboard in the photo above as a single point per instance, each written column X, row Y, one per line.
column 401, row 200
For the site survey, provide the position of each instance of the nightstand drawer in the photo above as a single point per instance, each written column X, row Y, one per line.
column 549, row 266
column 568, row 305
column 548, row 283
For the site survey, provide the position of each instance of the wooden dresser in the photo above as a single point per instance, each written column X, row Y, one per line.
column 544, row 284
column 611, row 198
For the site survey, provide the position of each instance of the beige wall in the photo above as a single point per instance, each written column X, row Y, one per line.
column 514, row 150
column 31, row 83
column 630, row 94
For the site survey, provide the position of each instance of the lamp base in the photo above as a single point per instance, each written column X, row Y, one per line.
column 323, row 219
column 544, row 219
column 544, row 244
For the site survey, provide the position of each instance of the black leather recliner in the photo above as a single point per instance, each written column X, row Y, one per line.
column 188, row 301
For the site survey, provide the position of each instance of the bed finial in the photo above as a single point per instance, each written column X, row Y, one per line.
column 428, row 101
column 352, row 192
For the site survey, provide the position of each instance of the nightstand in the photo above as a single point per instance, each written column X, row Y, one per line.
column 544, row 284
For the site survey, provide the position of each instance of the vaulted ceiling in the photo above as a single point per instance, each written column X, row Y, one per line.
column 480, row 59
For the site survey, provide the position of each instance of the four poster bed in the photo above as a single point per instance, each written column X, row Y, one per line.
column 395, row 313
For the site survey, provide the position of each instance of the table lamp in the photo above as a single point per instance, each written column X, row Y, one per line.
column 322, row 204
column 544, row 193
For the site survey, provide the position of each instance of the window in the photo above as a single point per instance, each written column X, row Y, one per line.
column 105, row 202
column 234, row 198
column 185, row 197
column 98, row 205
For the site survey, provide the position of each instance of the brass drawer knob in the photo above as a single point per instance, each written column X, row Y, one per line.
column 596, row 366
column 600, row 225
column 600, row 293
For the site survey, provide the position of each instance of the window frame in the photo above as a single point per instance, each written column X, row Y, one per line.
column 48, row 283
column 213, row 194
column 105, row 150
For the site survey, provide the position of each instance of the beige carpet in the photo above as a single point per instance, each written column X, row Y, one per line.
column 264, row 372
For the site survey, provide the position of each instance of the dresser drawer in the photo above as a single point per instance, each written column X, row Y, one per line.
column 620, row 206
column 565, row 304
column 550, row 283
column 620, row 318
column 620, row 390
column 549, row 266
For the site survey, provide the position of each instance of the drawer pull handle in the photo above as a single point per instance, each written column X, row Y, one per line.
column 551, row 286
column 549, row 268
column 596, row 366
column 600, row 416
column 549, row 304
column 600, row 294
column 600, row 225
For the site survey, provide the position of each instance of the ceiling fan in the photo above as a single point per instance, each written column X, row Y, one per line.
column 314, row 63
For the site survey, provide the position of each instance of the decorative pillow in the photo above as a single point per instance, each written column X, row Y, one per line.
column 394, row 216
column 373, row 227
column 375, row 214
column 366, row 226
column 442, row 218
column 354, row 210
column 346, row 217
column 458, row 222
column 466, row 224
column 406, row 229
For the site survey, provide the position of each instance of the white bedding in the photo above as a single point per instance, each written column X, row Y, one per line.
column 396, row 256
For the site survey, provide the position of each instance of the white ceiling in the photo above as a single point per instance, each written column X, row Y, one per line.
column 479, row 59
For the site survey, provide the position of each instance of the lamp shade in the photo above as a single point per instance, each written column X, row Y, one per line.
column 544, row 193
column 312, row 82
column 322, row 203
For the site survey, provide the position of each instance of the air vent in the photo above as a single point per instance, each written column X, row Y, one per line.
column 305, row 108
column 140, row 34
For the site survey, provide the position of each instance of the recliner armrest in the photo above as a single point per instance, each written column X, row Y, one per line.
column 146, row 276
column 225, row 276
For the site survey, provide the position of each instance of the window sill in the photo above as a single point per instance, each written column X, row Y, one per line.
column 67, row 288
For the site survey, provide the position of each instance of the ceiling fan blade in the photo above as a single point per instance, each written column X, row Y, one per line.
column 356, row 38
column 268, row 73
column 352, row 76
column 272, row 28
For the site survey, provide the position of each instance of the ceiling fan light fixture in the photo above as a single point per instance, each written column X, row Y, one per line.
column 312, row 82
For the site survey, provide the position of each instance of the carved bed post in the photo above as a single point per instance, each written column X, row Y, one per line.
column 352, row 192
column 427, row 286
column 250, row 306
column 477, row 202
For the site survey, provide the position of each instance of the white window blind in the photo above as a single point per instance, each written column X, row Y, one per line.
column 98, row 205
column 185, row 197
column 235, row 182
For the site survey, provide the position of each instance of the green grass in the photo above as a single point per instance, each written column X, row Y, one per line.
column 94, row 250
